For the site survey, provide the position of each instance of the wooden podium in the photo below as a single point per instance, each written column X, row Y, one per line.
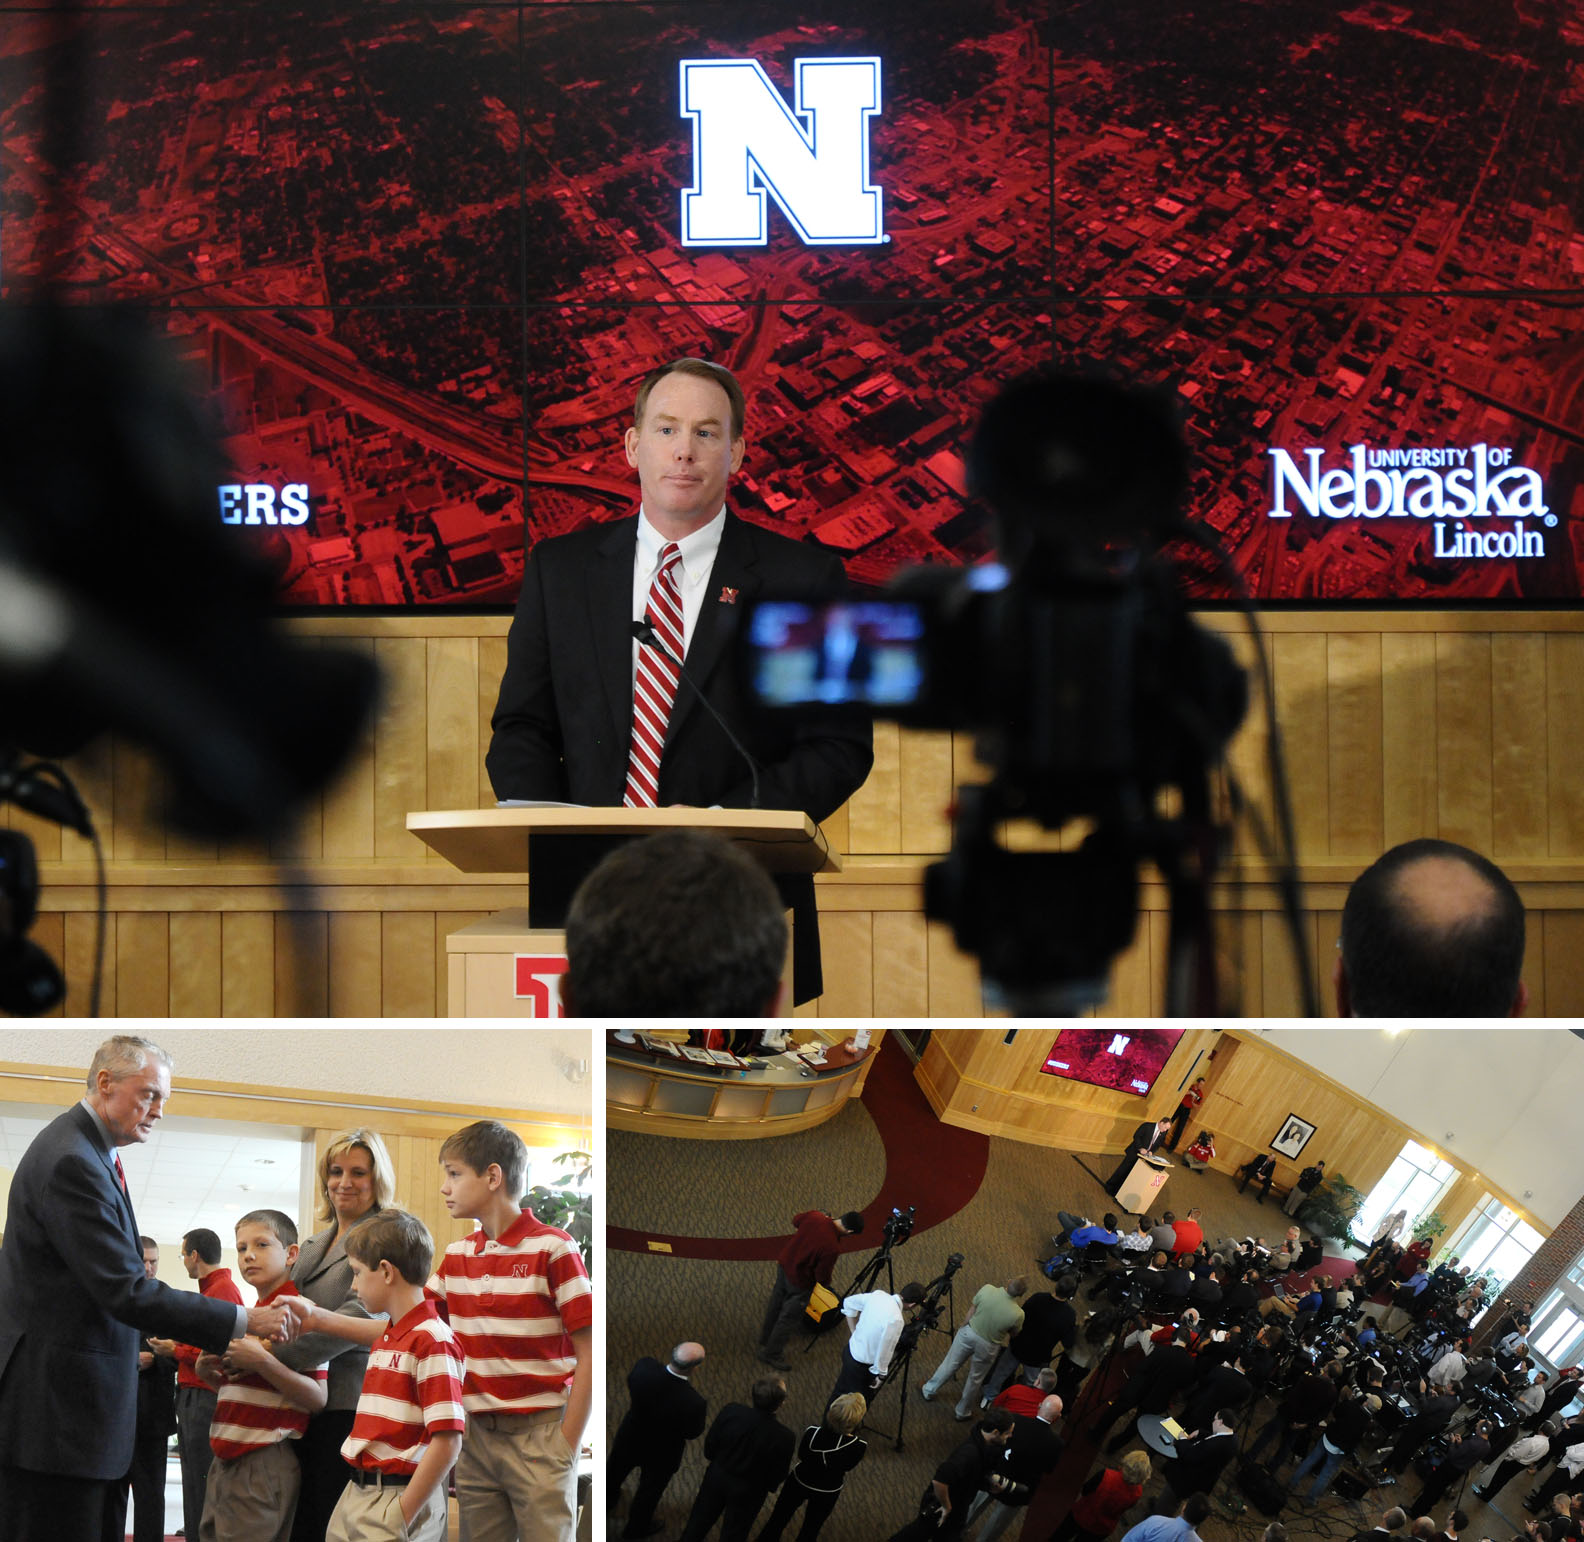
column 510, row 964
column 1144, row 1181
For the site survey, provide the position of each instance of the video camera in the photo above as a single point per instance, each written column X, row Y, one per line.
column 1073, row 661
column 898, row 1227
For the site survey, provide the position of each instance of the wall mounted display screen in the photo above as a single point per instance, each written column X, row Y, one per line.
column 422, row 253
column 1128, row 1060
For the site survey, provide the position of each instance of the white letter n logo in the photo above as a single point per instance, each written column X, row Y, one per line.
column 746, row 143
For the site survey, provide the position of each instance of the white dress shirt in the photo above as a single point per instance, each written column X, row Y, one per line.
column 877, row 1325
column 698, row 559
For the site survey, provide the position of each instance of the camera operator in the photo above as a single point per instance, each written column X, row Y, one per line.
column 996, row 1317
column 943, row 1511
column 1466, row 1453
column 1435, row 1414
column 1529, row 1451
column 806, row 1261
column 874, row 1321
column 1305, row 1404
column 1034, row 1450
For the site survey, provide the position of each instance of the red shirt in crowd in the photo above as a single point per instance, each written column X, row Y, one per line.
column 811, row 1255
column 219, row 1284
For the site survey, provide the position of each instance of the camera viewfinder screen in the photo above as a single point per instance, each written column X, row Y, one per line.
column 1126, row 1060
column 837, row 654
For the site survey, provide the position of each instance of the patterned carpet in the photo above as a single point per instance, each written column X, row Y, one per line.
column 734, row 1189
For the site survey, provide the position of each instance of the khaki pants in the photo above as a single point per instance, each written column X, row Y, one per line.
column 374, row 1515
column 252, row 1498
column 516, row 1478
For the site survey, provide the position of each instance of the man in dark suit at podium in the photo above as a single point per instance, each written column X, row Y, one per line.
column 587, row 714
column 1149, row 1136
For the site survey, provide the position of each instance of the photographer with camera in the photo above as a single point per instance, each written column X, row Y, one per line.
column 996, row 1317
column 806, row 1261
column 875, row 1321
column 943, row 1510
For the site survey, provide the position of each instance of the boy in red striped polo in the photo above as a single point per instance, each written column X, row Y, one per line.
column 409, row 1422
column 262, row 1405
column 518, row 1296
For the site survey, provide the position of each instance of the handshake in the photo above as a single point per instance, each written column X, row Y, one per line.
column 282, row 1321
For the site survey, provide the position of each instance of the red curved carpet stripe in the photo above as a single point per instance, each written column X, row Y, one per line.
column 935, row 1167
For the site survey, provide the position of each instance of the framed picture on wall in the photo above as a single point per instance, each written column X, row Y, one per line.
column 1292, row 1137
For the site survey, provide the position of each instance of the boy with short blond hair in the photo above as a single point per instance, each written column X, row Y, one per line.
column 409, row 1421
column 261, row 1404
column 519, row 1299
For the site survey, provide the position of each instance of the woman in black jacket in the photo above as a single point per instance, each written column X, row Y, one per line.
column 825, row 1455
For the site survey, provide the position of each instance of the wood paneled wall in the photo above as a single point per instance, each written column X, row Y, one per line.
column 1465, row 725
column 975, row 1079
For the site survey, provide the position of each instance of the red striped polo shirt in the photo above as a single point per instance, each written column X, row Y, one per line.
column 514, row 1301
column 250, row 1413
column 412, row 1389
column 218, row 1284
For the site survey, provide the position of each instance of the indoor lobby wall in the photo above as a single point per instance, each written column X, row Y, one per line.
column 1466, row 725
column 413, row 1135
column 975, row 1079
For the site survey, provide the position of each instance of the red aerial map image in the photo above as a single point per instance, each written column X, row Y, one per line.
column 1128, row 1060
column 419, row 256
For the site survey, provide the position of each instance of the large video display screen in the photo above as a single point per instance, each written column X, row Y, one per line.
column 1127, row 1060
column 422, row 254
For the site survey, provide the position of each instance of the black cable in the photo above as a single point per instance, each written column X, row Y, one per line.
column 84, row 825
column 1287, row 870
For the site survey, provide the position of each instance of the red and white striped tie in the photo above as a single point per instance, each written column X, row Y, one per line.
column 655, row 687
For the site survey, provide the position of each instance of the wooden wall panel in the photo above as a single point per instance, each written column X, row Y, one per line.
column 1469, row 726
column 1520, row 769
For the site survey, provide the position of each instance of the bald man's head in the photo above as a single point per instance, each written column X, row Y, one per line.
column 686, row 1358
column 1431, row 929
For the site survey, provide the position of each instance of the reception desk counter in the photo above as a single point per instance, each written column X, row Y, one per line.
column 650, row 1090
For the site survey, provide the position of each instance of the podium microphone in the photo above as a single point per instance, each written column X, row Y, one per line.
column 645, row 634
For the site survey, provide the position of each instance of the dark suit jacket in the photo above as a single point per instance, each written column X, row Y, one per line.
column 749, row 1451
column 1034, row 1449
column 563, row 720
column 1198, row 1463
column 1162, row 1376
column 1145, row 1138
column 666, row 1413
column 156, row 1399
column 74, row 1302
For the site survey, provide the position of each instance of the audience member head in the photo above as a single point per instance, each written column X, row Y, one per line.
column 200, row 1250
column 1046, row 1379
column 1394, row 1519
column 850, row 1223
column 1431, row 929
column 1135, row 1468
column 995, row 1424
column 687, row 1357
column 846, row 1413
column 387, row 1242
column 768, row 1393
column 1016, row 1287
column 1196, row 1508
column 1423, row 1526
column 1050, row 1409
column 680, row 924
column 1110, row 1221
column 911, row 1293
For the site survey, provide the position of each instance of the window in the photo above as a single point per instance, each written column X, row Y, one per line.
column 1497, row 1239
column 1414, row 1182
column 1556, row 1337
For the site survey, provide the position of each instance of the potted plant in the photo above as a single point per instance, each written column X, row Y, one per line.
column 1428, row 1226
column 1329, row 1211
column 568, row 1205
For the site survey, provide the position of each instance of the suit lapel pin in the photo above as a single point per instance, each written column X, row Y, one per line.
column 728, row 596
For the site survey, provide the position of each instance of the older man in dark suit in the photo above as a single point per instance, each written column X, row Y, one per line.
column 586, row 714
column 74, row 1298
column 666, row 1413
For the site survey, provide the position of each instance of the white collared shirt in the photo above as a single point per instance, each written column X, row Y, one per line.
column 693, row 575
column 876, row 1330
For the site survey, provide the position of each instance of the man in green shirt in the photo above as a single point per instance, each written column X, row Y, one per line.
column 996, row 1317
